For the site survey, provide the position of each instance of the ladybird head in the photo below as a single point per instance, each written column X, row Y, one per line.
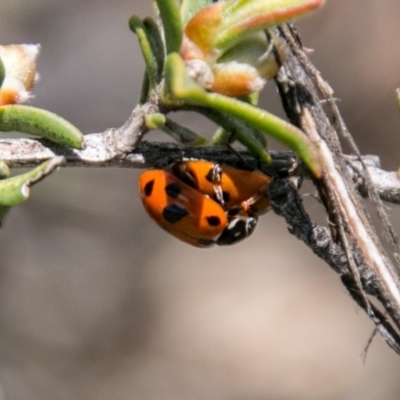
column 239, row 227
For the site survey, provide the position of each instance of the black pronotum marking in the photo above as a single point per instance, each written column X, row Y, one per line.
column 237, row 230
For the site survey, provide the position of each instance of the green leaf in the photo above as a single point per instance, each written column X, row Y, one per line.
column 243, row 17
column 156, row 43
column 41, row 123
column 137, row 26
column 172, row 23
column 240, row 131
column 178, row 132
column 15, row 190
column 145, row 89
column 191, row 7
column 4, row 170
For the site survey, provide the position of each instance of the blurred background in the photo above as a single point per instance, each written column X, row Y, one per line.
column 97, row 302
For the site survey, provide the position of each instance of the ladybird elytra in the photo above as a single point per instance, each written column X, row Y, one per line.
column 173, row 213
column 237, row 185
column 180, row 209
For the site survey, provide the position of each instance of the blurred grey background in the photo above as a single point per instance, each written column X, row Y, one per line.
column 97, row 302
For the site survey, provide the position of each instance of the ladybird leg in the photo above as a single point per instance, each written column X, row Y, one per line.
column 257, row 204
column 216, row 173
column 181, row 161
column 293, row 168
column 246, row 206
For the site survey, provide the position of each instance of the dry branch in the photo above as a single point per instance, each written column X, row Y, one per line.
column 369, row 271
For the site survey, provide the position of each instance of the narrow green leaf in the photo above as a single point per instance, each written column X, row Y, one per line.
column 137, row 26
column 182, row 134
column 4, row 170
column 241, row 131
column 15, row 190
column 176, row 131
column 156, row 43
column 221, row 137
column 172, row 23
column 145, row 89
column 41, row 123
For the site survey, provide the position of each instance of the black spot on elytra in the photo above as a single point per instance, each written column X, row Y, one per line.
column 174, row 213
column 148, row 188
column 213, row 220
column 173, row 189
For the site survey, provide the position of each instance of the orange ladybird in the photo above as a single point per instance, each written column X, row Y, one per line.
column 203, row 203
